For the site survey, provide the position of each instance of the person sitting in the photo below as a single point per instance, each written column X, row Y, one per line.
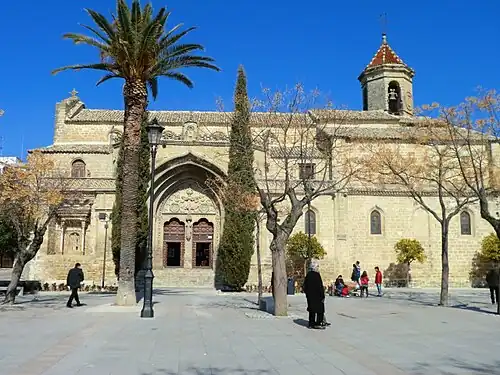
column 341, row 288
column 339, row 285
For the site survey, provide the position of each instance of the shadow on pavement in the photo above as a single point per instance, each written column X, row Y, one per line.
column 415, row 297
column 470, row 368
column 180, row 292
column 253, row 302
column 473, row 308
column 301, row 322
column 211, row 371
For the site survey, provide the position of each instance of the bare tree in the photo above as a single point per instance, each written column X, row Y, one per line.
column 300, row 154
column 474, row 130
column 423, row 166
column 259, row 218
column 30, row 196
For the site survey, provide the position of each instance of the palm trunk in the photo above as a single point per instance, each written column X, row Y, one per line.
column 135, row 95
column 279, row 269
column 259, row 262
column 445, row 270
column 17, row 270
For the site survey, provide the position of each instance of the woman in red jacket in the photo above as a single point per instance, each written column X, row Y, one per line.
column 364, row 284
column 378, row 281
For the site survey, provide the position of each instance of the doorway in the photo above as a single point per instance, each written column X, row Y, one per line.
column 173, row 254
column 173, row 243
column 202, row 256
column 203, row 232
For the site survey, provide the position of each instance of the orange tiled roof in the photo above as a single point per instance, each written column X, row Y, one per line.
column 385, row 55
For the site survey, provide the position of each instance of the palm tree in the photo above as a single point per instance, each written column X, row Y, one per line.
column 137, row 48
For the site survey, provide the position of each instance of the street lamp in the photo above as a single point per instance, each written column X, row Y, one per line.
column 309, row 191
column 154, row 136
column 104, row 217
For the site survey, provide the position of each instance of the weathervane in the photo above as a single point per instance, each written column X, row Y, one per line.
column 74, row 93
column 383, row 23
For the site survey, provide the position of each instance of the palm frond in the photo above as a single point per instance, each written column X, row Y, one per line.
column 177, row 76
column 84, row 39
column 107, row 77
column 153, row 87
column 135, row 44
column 98, row 66
column 102, row 22
column 171, row 38
column 96, row 33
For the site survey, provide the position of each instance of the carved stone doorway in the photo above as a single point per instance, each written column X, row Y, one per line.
column 173, row 243
column 203, row 234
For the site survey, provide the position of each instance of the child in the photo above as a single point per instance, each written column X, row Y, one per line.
column 378, row 281
column 364, row 284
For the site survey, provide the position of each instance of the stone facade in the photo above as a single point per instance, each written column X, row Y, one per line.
column 189, row 215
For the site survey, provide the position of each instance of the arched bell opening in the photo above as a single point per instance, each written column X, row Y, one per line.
column 394, row 97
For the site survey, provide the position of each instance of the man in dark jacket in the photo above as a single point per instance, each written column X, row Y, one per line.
column 492, row 280
column 315, row 295
column 74, row 280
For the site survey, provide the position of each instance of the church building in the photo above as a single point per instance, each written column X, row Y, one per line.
column 361, row 224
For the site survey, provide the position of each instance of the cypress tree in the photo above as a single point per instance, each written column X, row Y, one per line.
column 237, row 241
column 142, row 206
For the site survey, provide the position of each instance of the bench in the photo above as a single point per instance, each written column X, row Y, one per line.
column 4, row 284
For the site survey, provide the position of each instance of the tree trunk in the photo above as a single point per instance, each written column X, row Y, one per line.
column 135, row 95
column 17, row 270
column 408, row 275
column 279, row 270
column 259, row 262
column 445, row 270
column 26, row 251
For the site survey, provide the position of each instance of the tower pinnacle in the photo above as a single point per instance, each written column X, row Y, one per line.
column 387, row 82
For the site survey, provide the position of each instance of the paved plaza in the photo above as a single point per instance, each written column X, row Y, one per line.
column 200, row 332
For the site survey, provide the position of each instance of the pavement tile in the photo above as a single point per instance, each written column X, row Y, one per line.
column 197, row 332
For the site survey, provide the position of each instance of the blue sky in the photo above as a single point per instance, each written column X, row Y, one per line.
column 452, row 45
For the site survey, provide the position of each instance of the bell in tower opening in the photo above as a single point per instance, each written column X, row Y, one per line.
column 394, row 97
column 387, row 83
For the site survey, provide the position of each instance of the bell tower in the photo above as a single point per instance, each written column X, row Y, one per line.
column 387, row 83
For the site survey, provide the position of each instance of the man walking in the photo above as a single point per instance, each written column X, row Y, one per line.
column 492, row 280
column 74, row 280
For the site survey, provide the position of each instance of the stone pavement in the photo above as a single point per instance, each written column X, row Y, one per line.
column 200, row 332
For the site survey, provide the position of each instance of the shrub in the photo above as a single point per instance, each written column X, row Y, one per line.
column 488, row 254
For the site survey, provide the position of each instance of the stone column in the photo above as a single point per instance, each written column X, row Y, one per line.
column 188, row 244
column 82, row 238
column 63, row 232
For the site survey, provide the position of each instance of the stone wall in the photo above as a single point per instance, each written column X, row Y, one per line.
column 342, row 222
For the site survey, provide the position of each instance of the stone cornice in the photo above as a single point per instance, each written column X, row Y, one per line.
column 91, row 184
column 75, row 149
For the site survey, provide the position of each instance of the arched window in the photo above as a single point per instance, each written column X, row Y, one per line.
column 375, row 222
column 465, row 224
column 310, row 222
column 394, row 97
column 78, row 169
column 365, row 98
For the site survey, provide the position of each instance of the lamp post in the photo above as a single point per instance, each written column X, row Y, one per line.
column 104, row 217
column 154, row 136
column 309, row 234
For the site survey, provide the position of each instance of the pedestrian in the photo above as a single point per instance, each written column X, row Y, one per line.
column 74, row 281
column 492, row 280
column 378, row 281
column 364, row 284
column 356, row 272
column 315, row 295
